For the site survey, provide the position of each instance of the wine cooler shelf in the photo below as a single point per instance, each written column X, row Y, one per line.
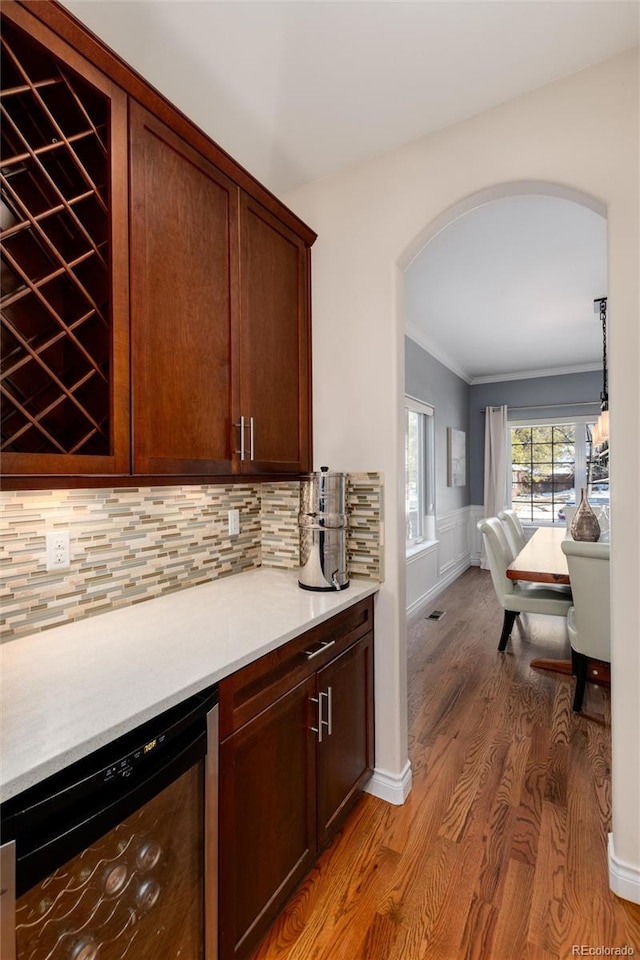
column 54, row 235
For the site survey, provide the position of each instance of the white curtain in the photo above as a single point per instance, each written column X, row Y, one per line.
column 496, row 497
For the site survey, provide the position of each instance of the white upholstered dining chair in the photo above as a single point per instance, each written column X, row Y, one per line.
column 588, row 620
column 517, row 596
column 514, row 530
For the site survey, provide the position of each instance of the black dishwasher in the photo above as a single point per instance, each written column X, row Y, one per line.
column 116, row 855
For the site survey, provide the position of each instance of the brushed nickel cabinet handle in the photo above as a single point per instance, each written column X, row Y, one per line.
column 241, row 425
column 318, row 729
column 252, row 450
column 328, row 723
column 310, row 654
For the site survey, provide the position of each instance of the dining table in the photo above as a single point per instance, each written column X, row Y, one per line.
column 541, row 560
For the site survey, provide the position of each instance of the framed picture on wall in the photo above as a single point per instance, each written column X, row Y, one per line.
column 456, row 457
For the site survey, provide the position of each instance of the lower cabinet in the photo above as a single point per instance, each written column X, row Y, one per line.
column 345, row 698
column 296, row 749
column 267, row 816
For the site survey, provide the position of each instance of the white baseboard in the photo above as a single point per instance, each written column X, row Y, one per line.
column 624, row 879
column 394, row 788
column 452, row 574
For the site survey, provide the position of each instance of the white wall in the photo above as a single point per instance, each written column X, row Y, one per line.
column 580, row 133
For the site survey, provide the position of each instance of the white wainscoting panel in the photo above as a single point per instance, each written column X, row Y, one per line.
column 421, row 576
column 442, row 561
column 452, row 533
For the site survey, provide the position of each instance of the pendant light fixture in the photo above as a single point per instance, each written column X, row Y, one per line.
column 601, row 429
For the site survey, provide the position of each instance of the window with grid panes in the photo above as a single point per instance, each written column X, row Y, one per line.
column 550, row 462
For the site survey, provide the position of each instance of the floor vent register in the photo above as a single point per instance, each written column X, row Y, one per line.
column 436, row 615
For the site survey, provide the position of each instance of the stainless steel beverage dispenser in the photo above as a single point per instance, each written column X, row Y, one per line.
column 323, row 525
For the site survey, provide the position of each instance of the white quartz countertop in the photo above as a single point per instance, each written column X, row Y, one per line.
column 74, row 688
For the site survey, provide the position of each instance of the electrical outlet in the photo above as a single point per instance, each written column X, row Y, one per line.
column 234, row 522
column 57, row 550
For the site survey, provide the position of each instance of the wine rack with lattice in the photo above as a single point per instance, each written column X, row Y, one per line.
column 54, row 234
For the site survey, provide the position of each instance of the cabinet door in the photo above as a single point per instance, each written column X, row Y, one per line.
column 267, row 816
column 345, row 753
column 274, row 344
column 183, row 259
column 64, row 239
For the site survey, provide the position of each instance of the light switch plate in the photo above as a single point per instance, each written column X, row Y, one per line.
column 234, row 522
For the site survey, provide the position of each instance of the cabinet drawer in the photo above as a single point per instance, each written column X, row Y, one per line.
column 247, row 692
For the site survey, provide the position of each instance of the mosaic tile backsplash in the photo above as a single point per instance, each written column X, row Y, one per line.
column 132, row 544
column 365, row 531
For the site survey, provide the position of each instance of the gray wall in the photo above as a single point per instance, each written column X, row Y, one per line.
column 554, row 397
column 429, row 380
column 462, row 406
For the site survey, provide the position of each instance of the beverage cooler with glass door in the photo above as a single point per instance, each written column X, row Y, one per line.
column 116, row 856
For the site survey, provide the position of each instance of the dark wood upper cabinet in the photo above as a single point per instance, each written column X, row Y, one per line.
column 64, row 239
column 274, row 381
column 183, row 256
column 155, row 297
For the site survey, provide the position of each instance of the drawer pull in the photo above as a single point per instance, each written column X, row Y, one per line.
column 325, row 644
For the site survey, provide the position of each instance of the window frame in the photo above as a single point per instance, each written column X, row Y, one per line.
column 581, row 457
column 426, row 472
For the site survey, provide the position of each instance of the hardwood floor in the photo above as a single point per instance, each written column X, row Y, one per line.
column 499, row 852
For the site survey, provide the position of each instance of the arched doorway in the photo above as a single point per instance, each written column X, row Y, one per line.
column 499, row 310
column 623, row 876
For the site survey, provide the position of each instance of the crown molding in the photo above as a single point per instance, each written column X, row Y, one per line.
column 535, row 374
column 434, row 351
column 418, row 337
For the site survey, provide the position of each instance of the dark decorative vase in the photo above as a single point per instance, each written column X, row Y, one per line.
column 584, row 525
